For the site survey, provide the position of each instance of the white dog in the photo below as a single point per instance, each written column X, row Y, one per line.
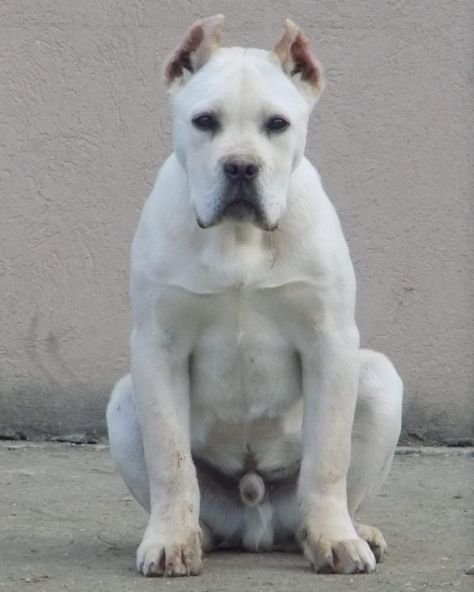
column 251, row 417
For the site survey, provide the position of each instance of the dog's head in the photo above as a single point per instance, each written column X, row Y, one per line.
column 240, row 121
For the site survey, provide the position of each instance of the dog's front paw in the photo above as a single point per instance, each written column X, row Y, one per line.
column 159, row 557
column 347, row 556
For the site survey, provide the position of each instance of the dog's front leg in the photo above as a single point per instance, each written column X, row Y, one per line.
column 330, row 379
column 171, row 544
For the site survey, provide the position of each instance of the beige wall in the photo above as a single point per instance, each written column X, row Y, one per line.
column 85, row 125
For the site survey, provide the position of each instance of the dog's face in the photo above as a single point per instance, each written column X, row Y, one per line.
column 240, row 121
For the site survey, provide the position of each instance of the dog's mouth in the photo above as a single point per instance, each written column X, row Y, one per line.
column 241, row 203
column 240, row 209
column 239, row 206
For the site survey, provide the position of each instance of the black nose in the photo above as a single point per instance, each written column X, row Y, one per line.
column 237, row 169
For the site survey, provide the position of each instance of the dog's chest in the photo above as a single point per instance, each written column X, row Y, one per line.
column 243, row 369
column 244, row 362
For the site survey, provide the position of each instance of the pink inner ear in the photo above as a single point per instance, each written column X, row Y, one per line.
column 182, row 58
column 304, row 63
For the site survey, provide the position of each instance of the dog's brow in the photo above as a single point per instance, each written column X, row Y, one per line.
column 274, row 109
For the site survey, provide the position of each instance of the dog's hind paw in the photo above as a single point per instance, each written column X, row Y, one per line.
column 162, row 558
column 374, row 539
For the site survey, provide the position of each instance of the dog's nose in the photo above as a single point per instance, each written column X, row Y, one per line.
column 238, row 169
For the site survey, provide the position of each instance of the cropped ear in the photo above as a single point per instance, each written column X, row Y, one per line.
column 201, row 40
column 297, row 60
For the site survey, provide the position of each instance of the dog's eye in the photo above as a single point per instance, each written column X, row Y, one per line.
column 206, row 122
column 276, row 124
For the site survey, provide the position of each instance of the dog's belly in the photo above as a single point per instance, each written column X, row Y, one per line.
column 246, row 395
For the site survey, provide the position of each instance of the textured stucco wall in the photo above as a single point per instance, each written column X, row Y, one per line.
column 85, row 125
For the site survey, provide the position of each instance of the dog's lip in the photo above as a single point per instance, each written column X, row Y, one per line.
column 263, row 225
column 246, row 207
column 240, row 202
column 203, row 224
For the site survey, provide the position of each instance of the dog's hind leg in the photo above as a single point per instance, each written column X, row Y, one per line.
column 125, row 439
column 375, row 434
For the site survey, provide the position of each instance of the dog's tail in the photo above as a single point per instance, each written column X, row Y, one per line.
column 251, row 488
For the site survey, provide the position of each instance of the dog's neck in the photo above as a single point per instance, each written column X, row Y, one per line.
column 238, row 248
column 232, row 237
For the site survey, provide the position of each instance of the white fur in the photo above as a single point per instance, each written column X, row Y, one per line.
column 228, row 84
column 236, row 329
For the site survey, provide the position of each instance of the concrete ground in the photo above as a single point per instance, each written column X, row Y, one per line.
column 68, row 523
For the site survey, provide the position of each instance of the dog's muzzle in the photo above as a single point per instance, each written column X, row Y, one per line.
column 240, row 200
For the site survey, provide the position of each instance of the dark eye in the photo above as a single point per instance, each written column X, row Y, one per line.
column 276, row 124
column 206, row 122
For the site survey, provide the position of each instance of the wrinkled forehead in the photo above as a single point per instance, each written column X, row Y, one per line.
column 237, row 79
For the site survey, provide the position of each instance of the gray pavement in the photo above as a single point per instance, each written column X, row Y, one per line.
column 68, row 523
